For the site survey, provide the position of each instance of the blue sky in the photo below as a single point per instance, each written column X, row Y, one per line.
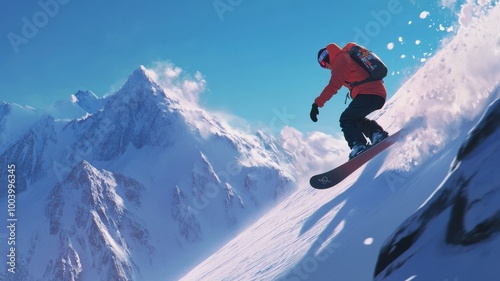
column 258, row 57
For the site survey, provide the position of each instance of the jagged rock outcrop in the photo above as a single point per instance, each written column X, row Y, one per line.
column 462, row 214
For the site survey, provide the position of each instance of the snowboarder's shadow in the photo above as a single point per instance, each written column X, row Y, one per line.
column 347, row 196
column 352, row 204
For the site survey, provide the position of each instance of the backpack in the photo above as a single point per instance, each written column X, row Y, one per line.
column 369, row 62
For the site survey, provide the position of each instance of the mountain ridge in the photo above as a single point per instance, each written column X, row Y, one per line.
column 126, row 188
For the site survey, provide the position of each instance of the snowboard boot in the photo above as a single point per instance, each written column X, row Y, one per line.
column 378, row 136
column 357, row 149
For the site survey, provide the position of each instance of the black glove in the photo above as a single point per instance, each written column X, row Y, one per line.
column 314, row 112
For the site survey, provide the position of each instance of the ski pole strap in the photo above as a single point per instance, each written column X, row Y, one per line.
column 347, row 96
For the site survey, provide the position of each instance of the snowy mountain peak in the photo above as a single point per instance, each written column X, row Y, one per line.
column 141, row 92
column 141, row 81
column 142, row 74
column 145, row 182
column 88, row 101
column 84, row 95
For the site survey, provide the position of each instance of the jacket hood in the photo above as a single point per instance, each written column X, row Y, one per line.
column 333, row 51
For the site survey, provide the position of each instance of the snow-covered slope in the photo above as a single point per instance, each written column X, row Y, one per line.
column 456, row 234
column 141, row 186
column 15, row 120
column 336, row 234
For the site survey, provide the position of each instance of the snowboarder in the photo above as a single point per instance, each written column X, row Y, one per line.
column 367, row 96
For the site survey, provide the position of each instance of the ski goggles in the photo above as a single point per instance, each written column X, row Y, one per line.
column 321, row 58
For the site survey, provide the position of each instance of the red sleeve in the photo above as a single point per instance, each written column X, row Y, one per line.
column 339, row 73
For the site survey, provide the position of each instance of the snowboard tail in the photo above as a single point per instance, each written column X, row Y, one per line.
column 337, row 175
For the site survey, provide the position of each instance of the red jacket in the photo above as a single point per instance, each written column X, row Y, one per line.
column 344, row 68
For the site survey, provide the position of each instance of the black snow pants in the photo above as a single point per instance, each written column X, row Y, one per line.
column 353, row 120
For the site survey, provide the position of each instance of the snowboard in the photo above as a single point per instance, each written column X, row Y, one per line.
column 335, row 176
